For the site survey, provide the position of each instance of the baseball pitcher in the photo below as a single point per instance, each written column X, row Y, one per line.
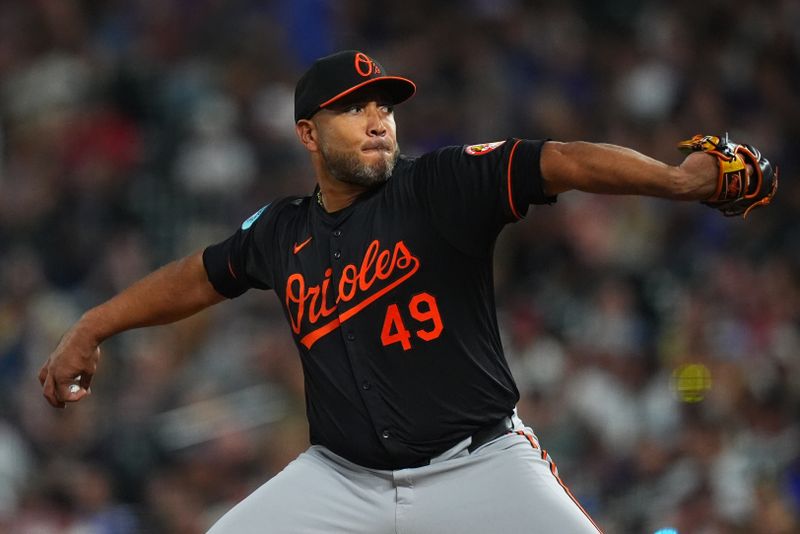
column 384, row 273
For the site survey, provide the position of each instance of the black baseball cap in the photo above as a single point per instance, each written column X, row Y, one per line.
column 333, row 77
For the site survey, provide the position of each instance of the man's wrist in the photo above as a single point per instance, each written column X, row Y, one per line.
column 90, row 326
column 699, row 176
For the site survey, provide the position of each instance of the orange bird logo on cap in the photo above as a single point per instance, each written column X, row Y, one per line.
column 365, row 66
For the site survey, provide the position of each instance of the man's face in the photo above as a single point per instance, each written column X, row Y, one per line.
column 357, row 139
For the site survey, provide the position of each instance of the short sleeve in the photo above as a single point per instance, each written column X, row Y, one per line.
column 242, row 262
column 472, row 192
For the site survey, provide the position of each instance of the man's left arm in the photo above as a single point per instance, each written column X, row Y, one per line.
column 726, row 176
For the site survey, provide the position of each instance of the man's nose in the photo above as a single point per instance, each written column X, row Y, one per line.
column 375, row 125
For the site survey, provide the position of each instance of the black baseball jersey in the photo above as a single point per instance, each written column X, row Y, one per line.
column 391, row 300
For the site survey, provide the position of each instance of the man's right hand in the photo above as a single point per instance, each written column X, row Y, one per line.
column 67, row 374
column 173, row 292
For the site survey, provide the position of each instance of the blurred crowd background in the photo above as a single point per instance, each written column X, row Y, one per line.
column 655, row 343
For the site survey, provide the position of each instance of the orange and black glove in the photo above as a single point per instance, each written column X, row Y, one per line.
column 736, row 193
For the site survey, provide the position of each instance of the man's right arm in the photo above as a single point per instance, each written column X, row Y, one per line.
column 173, row 292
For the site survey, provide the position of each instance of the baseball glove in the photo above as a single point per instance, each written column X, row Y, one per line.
column 736, row 193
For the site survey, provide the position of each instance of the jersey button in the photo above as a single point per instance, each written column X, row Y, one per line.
column 337, row 254
column 337, row 233
column 385, row 434
column 351, row 337
column 365, row 385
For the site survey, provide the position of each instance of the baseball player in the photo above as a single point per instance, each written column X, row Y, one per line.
column 384, row 273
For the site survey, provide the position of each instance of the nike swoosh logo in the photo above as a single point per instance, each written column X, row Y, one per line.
column 297, row 248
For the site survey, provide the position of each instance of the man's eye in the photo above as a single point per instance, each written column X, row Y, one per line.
column 387, row 109
column 355, row 108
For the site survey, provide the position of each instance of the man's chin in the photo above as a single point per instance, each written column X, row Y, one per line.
column 366, row 177
column 366, row 169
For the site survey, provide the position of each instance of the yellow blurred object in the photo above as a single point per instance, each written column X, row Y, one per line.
column 691, row 381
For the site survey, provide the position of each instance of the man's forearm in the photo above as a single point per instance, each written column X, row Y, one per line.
column 611, row 169
column 173, row 292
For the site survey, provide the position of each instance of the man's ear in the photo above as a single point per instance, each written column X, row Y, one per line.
column 307, row 133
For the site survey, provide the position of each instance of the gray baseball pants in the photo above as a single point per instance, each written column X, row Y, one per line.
column 507, row 485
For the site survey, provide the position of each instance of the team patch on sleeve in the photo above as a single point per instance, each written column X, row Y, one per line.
column 483, row 148
column 250, row 220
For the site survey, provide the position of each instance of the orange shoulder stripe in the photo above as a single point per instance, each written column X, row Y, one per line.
column 510, row 195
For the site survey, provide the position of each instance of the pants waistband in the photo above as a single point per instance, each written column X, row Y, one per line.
column 471, row 443
column 488, row 433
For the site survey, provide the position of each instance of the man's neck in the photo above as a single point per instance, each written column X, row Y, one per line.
column 334, row 195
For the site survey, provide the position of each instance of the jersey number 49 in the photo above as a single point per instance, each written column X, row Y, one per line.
column 423, row 310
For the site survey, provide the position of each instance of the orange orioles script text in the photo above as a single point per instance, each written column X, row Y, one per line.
column 308, row 304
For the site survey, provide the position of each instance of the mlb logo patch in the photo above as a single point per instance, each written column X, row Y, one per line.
column 483, row 148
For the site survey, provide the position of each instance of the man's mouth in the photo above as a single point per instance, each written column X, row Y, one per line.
column 377, row 146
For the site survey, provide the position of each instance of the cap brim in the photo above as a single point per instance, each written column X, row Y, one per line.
column 397, row 88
